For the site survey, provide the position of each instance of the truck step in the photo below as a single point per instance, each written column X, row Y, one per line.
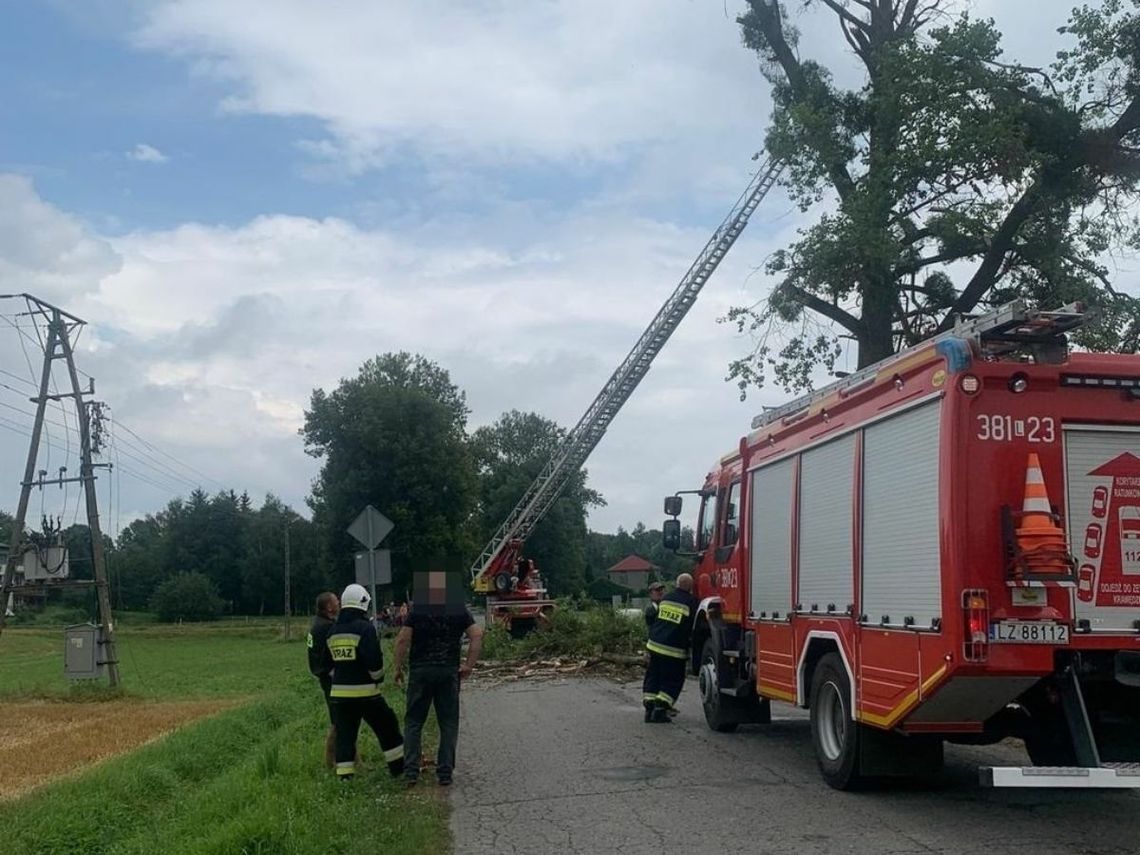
column 1107, row 776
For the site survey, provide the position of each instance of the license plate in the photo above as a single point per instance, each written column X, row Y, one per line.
column 1029, row 632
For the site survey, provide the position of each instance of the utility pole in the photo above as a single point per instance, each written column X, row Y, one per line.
column 58, row 345
column 288, row 605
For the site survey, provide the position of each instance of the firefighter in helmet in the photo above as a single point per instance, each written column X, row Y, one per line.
column 668, row 647
column 352, row 655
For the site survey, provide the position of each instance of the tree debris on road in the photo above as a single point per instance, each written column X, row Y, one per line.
column 616, row 666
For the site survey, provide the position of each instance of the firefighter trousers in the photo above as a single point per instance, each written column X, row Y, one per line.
column 376, row 713
column 664, row 679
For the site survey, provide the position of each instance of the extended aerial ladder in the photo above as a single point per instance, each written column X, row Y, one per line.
column 516, row 593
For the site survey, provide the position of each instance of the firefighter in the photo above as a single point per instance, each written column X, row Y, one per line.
column 656, row 592
column 352, row 655
column 668, row 647
column 327, row 607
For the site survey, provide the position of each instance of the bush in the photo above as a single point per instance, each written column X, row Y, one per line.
column 574, row 631
column 187, row 596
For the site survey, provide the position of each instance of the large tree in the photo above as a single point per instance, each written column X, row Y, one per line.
column 510, row 454
column 393, row 436
column 948, row 178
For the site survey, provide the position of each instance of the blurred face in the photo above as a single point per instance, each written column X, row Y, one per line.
column 334, row 607
column 437, row 588
column 656, row 594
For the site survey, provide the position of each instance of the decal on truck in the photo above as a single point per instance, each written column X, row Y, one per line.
column 1111, row 550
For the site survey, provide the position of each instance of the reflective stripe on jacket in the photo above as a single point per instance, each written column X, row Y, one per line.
column 352, row 654
column 672, row 629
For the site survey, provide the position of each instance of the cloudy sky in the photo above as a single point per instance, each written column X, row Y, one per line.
column 246, row 200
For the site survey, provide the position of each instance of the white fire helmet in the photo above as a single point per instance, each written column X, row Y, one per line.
column 355, row 597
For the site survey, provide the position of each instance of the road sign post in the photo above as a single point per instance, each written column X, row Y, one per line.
column 373, row 567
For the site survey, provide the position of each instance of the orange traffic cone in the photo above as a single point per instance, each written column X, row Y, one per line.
column 1040, row 539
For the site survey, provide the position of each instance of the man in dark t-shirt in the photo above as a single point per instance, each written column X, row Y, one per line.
column 430, row 641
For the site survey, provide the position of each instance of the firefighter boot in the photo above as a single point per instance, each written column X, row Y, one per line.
column 660, row 715
column 648, row 711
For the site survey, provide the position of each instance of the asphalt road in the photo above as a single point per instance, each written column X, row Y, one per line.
column 569, row 766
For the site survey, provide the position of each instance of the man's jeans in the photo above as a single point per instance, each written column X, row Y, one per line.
column 428, row 685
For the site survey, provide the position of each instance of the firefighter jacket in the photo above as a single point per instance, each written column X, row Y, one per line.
column 315, row 642
column 673, row 628
column 352, row 653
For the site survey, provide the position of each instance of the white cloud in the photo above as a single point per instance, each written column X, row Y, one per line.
column 209, row 339
column 144, row 153
column 500, row 80
column 44, row 250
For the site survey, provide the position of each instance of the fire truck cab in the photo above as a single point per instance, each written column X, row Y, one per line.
column 899, row 554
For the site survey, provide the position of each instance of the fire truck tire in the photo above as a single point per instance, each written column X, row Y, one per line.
column 720, row 714
column 834, row 733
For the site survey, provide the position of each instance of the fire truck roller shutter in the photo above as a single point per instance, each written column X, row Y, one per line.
column 827, row 485
column 771, row 571
column 901, row 557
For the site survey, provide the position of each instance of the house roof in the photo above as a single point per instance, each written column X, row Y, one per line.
column 633, row 564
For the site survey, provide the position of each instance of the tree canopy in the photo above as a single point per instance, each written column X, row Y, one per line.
column 510, row 454
column 948, row 178
column 394, row 437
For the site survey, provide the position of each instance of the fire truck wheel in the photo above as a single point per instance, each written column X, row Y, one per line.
column 718, row 714
column 833, row 731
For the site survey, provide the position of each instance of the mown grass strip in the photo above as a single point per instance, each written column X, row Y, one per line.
column 159, row 663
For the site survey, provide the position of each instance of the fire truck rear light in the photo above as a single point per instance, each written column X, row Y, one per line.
column 976, row 615
column 970, row 384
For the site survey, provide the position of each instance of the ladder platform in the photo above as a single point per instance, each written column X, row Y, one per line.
column 1116, row 776
column 1001, row 331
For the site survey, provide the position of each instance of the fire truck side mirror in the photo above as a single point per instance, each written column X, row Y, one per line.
column 672, row 506
column 671, row 534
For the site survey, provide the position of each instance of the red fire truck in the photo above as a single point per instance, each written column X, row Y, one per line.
column 899, row 553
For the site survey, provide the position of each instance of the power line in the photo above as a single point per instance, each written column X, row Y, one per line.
column 148, row 460
column 139, row 477
column 161, row 474
column 154, row 463
column 23, row 430
column 31, row 414
column 18, row 378
column 158, row 450
column 21, row 335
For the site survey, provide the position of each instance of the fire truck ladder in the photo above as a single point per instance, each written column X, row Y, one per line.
column 1007, row 328
column 574, row 450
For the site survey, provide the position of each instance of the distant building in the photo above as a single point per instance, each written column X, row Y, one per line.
column 632, row 572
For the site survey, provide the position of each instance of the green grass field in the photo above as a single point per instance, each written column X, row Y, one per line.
column 249, row 780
